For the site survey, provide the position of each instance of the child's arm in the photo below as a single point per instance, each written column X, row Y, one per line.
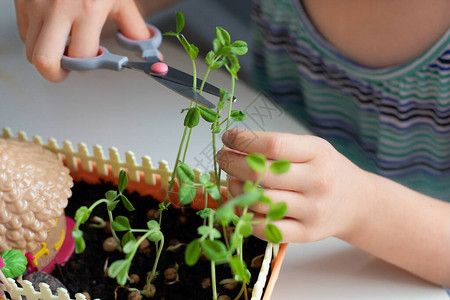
column 327, row 195
column 45, row 27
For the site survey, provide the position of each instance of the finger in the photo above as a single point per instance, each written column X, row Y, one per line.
column 33, row 32
column 22, row 19
column 50, row 47
column 299, row 176
column 296, row 148
column 298, row 207
column 85, row 37
column 130, row 22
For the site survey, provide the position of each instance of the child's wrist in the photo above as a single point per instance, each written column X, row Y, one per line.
column 362, row 205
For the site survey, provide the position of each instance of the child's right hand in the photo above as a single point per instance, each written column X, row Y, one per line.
column 45, row 27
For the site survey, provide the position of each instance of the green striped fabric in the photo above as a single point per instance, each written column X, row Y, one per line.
column 392, row 121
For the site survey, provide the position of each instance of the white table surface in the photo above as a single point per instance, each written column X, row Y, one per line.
column 130, row 111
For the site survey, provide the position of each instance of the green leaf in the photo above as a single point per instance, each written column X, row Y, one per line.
column 214, row 192
column 237, row 115
column 248, row 199
column 121, row 223
column 256, row 161
column 78, row 239
column 223, row 36
column 277, row 211
column 119, row 270
column 220, row 105
column 214, row 250
column 111, row 195
column 186, row 193
column 208, row 232
column 216, row 45
column 192, row 253
column 82, row 214
column 205, row 178
column 155, row 236
column 234, row 61
column 218, row 64
column 223, row 51
column 170, row 33
column 127, row 237
column 280, row 166
column 225, row 213
column 244, row 228
column 207, row 114
column 236, row 241
column 117, row 267
column 185, row 173
column 164, row 206
column 239, row 47
column 129, row 246
column 126, row 203
column 249, row 186
column 205, row 213
column 15, row 263
column 122, row 276
column 216, row 128
column 273, row 234
column 224, row 95
column 112, row 205
column 123, row 180
column 193, row 51
column 192, row 117
column 209, row 59
column 240, row 271
column 180, row 22
column 153, row 225
column 265, row 199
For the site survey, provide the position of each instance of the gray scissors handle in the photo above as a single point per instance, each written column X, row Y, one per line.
column 104, row 60
column 146, row 48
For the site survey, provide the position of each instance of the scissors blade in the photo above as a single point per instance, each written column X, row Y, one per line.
column 175, row 75
column 185, row 91
column 183, row 78
column 178, row 87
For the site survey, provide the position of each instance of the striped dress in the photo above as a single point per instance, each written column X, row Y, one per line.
column 391, row 121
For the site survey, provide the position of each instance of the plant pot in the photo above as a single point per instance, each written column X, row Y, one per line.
column 147, row 181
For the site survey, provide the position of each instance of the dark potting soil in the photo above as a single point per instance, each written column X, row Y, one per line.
column 85, row 272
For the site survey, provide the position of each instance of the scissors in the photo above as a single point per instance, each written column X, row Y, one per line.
column 170, row 77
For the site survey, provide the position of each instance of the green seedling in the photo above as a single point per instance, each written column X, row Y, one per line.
column 119, row 269
column 217, row 251
column 112, row 198
column 217, row 247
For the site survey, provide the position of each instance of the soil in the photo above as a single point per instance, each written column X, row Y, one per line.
column 85, row 272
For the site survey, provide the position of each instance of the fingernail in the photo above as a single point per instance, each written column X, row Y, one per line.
column 229, row 136
column 226, row 137
column 219, row 156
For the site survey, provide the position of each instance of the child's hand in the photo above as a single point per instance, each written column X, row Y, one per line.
column 323, row 190
column 45, row 26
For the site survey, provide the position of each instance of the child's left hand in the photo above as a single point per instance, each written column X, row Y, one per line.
column 322, row 189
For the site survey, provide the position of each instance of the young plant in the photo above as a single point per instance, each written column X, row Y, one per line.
column 215, row 250
column 112, row 198
column 215, row 247
column 120, row 268
column 224, row 54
